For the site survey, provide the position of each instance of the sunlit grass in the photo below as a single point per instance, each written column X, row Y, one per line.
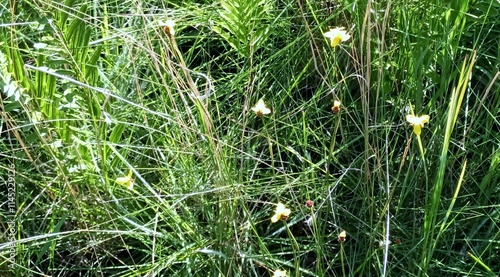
column 245, row 138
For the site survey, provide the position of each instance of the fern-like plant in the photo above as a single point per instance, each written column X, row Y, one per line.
column 244, row 24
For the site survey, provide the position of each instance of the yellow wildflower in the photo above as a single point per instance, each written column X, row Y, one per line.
column 168, row 26
column 417, row 122
column 126, row 180
column 342, row 236
column 281, row 213
column 260, row 108
column 337, row 35
column 336, row 106
column 280, row 273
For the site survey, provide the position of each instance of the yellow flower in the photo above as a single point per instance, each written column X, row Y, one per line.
column 281, row 213
column 126, row 180
column 342, row 236
column 337, row 35
column 417, row 122
column 280, row 273
column 336, row 106
column 168, row 26
column 260, row 108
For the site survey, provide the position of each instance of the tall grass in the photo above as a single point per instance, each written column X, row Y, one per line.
column 95, row 90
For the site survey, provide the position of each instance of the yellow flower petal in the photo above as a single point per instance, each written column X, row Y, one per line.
column 417, row 122
column 337, row 35
column 280, row 209
column 417, row 129
column 260, row 108
column 126, row 180
column 130, row 185
column 424, row 119
column 280, row 273
column 168, row 26
column 411, row 118
column 280, row 213
column 336, row 106
column 342, row 236
column 122, row 180
column 275, row 218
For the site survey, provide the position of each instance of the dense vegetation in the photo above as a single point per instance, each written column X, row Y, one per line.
column 134, row 147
